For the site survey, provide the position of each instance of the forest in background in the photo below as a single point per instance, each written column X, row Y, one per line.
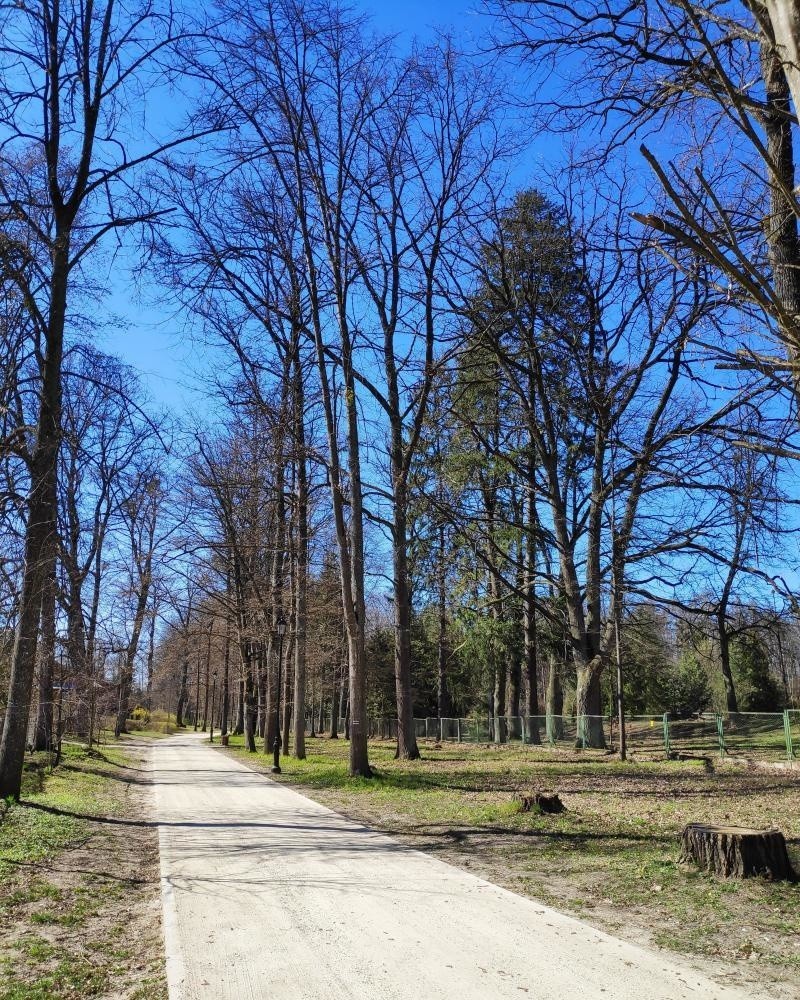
column 464, row 445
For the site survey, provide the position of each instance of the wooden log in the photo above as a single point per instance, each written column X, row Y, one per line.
column 543, row 802
column 737, row 852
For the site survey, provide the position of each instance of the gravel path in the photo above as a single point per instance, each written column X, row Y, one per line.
column 270, row 895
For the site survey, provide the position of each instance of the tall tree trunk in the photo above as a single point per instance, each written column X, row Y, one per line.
column 276, row 647
column 499, row 697
column 262, row 707
column 785, row 21
column 731, row 701
column 515, row 691
column 43, row 734
column 151, row 650
column 145, row 566
column 239, row 730
column 531, row 645
column 197, row 691
column 407, row 748
column 780, row 225
column 183, row 690
column 207, row 677
column 301, row 573
column 555, row 697
column 337, row 680
column 249, row 704
column 226, row 666
column 589, row 705
column 499, row 663
column 286, row 721
column 443, row 706
column 41, row 530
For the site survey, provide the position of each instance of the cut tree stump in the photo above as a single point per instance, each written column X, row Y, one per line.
column 543, row 802
column 737, row 852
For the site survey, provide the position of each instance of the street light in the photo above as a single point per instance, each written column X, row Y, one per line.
column 213, row 695
column 280, row 628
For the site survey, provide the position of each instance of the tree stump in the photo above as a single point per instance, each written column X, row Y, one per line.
column 737, row 852
column 543, row 802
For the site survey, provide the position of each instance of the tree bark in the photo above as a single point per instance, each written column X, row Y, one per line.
column 531, row 645
column 555, row 698
column 301, row 572
column 781, row 223
column 239, row 730
column 407, row 748
column 784, row 16
column 589, row 706
column 443, row 706
column 43, row 734
column 249, row 705
column 226, row 665
column 183, row 690
column 40, row 532
column 737, row 852
column 731, row 701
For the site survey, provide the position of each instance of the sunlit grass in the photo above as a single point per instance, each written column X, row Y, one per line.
column 611, row 857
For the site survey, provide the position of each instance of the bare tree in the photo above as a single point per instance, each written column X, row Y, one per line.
column 719, row 82
column 141, row 512
column 600, row 395
column 70, row 75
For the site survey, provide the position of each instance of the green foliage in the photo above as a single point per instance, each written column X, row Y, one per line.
column 380, row 672
column 657, row 681
column 685, row 689
column 756, row 688
column 647, row 658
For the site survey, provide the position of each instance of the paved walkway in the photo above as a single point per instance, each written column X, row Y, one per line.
column 270, row 895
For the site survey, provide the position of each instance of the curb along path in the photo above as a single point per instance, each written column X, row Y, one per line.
column 268, row 894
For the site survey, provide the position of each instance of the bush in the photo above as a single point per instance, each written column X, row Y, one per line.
column 685, row 689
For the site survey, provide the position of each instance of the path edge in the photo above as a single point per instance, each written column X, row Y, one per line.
column 173, row 956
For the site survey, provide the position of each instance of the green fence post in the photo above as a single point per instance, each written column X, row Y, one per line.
column 720, row 734
column 787, row 731
column 665, row 721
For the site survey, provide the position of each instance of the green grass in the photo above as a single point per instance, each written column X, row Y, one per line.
column 69, row 925
column 612, row 857
column 79, row 786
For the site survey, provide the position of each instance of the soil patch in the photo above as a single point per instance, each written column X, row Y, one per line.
column 85, row 920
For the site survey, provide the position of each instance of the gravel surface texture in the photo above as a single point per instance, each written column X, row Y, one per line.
column 267, row 893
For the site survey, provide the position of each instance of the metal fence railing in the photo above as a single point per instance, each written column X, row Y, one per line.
column 792, row 724
column 773, row 735
column 759, row 734
column 699, row 734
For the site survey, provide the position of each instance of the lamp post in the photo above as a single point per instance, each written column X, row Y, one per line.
column 280, row 628
column 213, row 695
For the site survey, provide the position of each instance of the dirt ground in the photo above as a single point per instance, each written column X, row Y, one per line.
column 87, row 921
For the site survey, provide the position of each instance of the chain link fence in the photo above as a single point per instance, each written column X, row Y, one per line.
column 758, row 735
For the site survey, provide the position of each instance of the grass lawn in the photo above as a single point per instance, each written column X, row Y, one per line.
column 610, row 858
column 78, row 885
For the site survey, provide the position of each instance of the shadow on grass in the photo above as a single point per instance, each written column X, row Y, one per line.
column 42, row 866
column 454, row 832
column 631, row 784
column 125, row 778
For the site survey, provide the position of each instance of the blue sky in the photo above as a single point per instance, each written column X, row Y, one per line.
column 151, row 338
